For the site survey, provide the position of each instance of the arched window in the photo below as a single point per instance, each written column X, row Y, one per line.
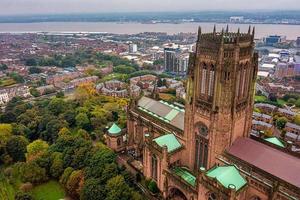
column 212, row 196
column 118, row 141
column 211, row 80
column 154, row 167
column 255, row 198
column 203, row 79
column 201, row 150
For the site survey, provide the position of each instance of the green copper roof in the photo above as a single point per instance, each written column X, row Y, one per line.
column 227, row 176
column 172, row 114
column 114, row 129
column 185, row 175
column 168, row 140
column 276, row 141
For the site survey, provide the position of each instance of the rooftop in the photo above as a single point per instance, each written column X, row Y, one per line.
column 185, row 175
column 227, row 176
column 114, row 129
column 170, row 141
column 276, row 141
column 270, row 160
column 164, row 111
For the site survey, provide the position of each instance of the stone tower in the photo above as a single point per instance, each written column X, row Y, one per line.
column 221, row 81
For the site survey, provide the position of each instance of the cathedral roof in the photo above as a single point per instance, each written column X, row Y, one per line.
column 228, row 176
column 114, row 130
column 162, row 110
column 168, row 140
column 185, row 175
column 270, row 160
column 276, row 141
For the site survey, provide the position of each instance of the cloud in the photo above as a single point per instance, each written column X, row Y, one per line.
column 80, row 6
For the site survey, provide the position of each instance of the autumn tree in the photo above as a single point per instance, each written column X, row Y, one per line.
column 36, row 149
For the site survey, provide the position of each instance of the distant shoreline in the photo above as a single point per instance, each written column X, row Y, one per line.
column 262, row 30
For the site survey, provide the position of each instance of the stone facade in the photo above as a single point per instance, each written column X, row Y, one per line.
column 217, row 118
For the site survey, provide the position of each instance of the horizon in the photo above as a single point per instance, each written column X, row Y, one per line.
column 46, row 7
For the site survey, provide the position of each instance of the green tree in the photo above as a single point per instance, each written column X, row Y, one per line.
column 297, row 103
column 280, row 122
column 57, row 166
column 65, row 176
column 36, row 149
column 34, row 92
column 117, row 189
column 297, row 119
column 31, row 62
column 31, row 172
column 92, row 190
column 82, row 121
column 57, row 106
column 16, row 148
column 23, row 196
column 34, row 70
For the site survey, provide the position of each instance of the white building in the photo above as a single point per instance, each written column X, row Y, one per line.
column 133, row 48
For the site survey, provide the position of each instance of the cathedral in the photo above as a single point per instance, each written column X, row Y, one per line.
column 203, row 151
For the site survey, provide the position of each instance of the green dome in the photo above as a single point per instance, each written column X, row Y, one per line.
column 114, row 130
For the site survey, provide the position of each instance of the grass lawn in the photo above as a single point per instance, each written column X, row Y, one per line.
column 7, row 191
column 260, row 98
column 51, row 190
column 281, row 102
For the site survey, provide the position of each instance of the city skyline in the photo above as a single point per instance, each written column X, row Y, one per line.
column 20, row 7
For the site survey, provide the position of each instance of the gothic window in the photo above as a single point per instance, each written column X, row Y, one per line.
column 154, row 167
column 203, row 79
column 118, row 141
column 243, row 81
column 238, row 83
column 211, row 81
column 201, row 150
column 212, row 196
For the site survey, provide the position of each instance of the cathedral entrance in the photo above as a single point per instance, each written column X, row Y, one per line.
column 176, row 194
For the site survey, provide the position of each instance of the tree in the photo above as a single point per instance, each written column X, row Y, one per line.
column 273, row 97
column 280, row 122
column 17, row 77
column 34, row 70
column 5, row 133
column 57, row 106
column 31, row 172
column 3, row 67
column 297, row 103
column 52, row 129
column 92, row 190
column 297, row 120
column 82, row 121
column 153, row 187
column 16, row 148
column 72, row 186
column 65, row 176
column 57, row 166
column 117, row 189
column 31, row 62
column 34, row 92
column 23, row 196
column 36, row 149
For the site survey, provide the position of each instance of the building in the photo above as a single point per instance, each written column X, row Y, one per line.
column 274, row 39
column 298, row 42
column 262, row 117
column 133, row 48
column 204, row 151
column 236, row 19
column 171, row 59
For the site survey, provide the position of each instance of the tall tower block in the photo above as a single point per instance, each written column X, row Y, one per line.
column 221, row 81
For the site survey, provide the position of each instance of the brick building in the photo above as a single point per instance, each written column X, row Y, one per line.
column 204, row 151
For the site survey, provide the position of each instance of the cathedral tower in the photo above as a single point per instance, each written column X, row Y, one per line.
column 221, row 80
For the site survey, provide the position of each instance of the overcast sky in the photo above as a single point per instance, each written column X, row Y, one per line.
column 12, row 7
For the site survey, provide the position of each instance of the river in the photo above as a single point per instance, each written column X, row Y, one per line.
column 262, row 30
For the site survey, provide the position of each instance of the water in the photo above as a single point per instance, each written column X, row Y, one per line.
column 262, row 30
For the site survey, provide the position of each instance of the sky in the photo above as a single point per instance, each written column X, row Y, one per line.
column 19, row 7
